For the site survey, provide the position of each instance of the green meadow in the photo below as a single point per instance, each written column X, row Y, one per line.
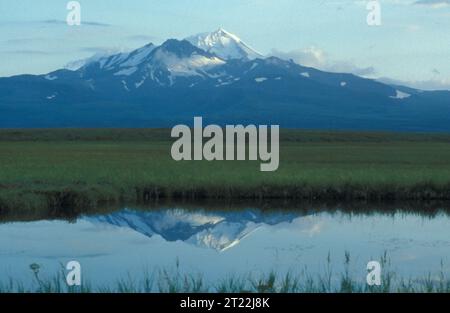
column 84, row 169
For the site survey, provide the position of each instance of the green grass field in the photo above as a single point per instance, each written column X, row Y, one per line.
column 81, row 169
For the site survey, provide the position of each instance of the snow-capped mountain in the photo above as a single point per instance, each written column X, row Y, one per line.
column 151, row 65
column 220, row 43
column 219, row 78
column 224, row 44
column 213, row 230
column 76, row 65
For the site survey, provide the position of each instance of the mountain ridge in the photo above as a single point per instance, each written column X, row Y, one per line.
column 224, row 44
column 219, row 231
column 160, row 86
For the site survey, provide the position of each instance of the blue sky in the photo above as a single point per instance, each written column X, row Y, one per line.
column 412, row 45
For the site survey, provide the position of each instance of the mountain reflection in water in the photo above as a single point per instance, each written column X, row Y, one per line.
column 215, row 230
column 218, row 242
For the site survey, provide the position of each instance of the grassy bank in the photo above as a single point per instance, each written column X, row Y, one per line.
column 72, row 170
column 173, row 280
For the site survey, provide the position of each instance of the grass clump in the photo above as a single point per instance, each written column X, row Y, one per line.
column 173, row 280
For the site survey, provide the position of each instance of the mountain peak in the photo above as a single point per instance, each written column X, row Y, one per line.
column 182, row 48
column 224, row 44
column 222, row 32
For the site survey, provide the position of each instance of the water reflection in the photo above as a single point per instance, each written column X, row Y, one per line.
column 218, row 242
column 216, row 230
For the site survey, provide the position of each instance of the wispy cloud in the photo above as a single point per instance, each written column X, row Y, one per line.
column 435, row 71
column 430, row 84
column 435, row 4
column 103, row 51
column 107, row 50
column 55, row 22
column 146, row 38
column 317, row 58
column 21, row 41
column 27, row 52
column 62, row 22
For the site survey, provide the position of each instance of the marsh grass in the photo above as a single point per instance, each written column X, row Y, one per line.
column 173, row 280
column 67, row 171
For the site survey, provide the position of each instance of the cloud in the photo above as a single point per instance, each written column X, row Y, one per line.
column 103, row 50
column 145, row 38
column 27, row 52
column 62, row 22
column 97, row 54
column 53, row 22
column 435, row 71
column 435, row 4
column 312, row 56
column 317, row 58
column 348, row 67
column 431, row 84
column 21, row 41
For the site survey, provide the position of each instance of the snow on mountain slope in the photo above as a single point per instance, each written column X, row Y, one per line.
column 76, row 65
column 175, row 59
column 171, row 224
column 151, row 65
column 223, row 236
column 224, row 44
column 400, row 95
column 136, row 57
column 213, row 230
column 121, row 61
column 98, row 57
column 221, row 43
column 161, row 86
column 189, row 65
